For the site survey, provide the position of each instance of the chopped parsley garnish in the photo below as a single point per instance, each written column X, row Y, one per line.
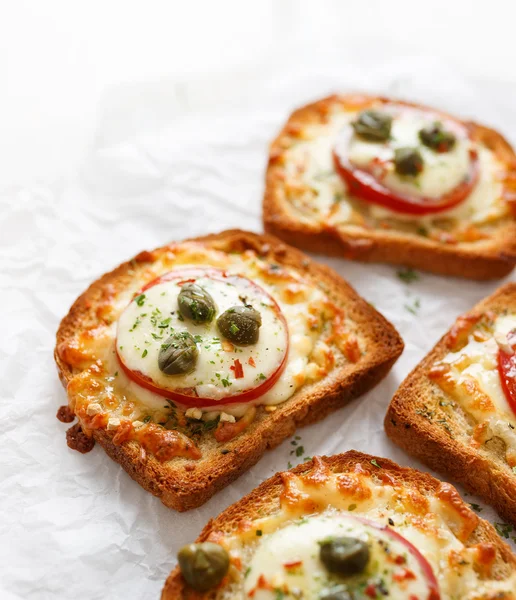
column 476, row 507
column 233, row 328
column 300, row 451
column 140, row 300
column 504, row 529
column 260, row 377
column 135, row 324
column 413, row 308
column 374, row 462
column 408, row 275
column 225, row 382
column 144, row 353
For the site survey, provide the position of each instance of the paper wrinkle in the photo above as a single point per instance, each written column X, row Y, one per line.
column 76, row 526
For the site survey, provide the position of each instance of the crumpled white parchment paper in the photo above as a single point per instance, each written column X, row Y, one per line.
column 172, row 161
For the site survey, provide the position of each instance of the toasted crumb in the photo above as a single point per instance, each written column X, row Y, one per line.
column 93, row 409
column 113, row 423
column 194, row 413
column 226, row 418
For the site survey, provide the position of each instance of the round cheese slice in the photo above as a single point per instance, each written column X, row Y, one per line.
column 288, row 561
column 442, row 171
column 223, row 372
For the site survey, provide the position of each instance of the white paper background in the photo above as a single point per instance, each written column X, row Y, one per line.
column 172, row 161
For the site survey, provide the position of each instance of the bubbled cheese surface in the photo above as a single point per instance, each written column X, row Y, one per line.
column 477, row 384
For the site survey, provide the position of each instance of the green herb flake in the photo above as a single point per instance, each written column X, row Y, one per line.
column 414, row 307
column 374, row 462
column 407, row 275
column 140, row 300
column 144, row 353
column 476, row 507
column 147, row 419
column 259, row 532
column 504, row 529
column 352, row 507
column 300, row 451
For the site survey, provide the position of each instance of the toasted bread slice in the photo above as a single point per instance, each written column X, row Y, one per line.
column 360, row 351
column 457, row 421
column 307, row 204
column 470, row 561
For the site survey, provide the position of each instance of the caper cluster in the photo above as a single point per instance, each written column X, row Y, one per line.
column 239, row 324
column 375, row 126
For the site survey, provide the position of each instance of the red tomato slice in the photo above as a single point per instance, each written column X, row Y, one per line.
column 365, row 185
column 191, row 399
column 507, row 371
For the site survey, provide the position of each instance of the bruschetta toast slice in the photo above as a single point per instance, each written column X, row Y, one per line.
column 346, row 526
column 456, row 411
column 188, row 362
column 382, row 180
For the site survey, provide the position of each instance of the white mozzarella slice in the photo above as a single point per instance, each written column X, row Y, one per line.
column 288, row 560
column 148, row 321
column 442, row 172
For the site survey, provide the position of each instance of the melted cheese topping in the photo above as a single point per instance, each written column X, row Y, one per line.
column 322, row 504
column 144, row 326
column 102, row 395
column 289, row 559
column 316, row 190
column 474, row 382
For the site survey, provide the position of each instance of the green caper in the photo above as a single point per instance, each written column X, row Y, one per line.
column 178, row 354
column 196, row 304
column 344, row 555
column 203, row 565
column 436, row 137
column 408, row 161
column 240, row 325
column 373, row 125
column 338, row 592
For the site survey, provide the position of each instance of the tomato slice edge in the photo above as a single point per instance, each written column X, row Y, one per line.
column 426, row 567
column 506, row 363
